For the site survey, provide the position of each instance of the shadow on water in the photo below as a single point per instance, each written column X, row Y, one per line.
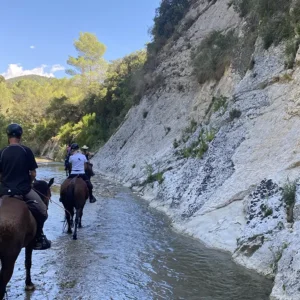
column 127, row 250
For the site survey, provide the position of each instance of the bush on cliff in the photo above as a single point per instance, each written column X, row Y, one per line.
column 214, row 55
column 289, row 198
column 166, row 20
column 274, row 21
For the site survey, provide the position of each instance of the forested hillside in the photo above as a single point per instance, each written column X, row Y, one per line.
column 87, row 107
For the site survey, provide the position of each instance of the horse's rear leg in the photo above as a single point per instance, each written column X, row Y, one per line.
column 76, row 224
column 7, row 269
column 80, row 212
column 69, row 221
column 29, row 286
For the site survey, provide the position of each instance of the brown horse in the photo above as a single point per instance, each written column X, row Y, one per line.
column 17, row 230
column 73, row 195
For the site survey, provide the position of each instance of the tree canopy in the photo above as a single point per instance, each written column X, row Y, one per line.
column 89, row 67
column 61, row 108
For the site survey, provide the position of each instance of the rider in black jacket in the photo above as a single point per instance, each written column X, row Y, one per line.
column 17, row 172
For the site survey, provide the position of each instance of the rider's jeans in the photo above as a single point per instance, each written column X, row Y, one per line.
column 37, row 207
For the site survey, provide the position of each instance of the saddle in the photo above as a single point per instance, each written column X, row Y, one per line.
column 20, row 197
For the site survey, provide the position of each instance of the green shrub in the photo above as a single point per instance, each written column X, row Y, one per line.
column 155, row 177
column 289, row 198
column 199, row 147
column 167, row 16
column 213, row 56
column 275, row 20
column 192, row 127
column 268, row 212
column 210, row 135
column 275, row 30
column 166, row 20
column 234, row 114
column 188, row 131
column 159, row 177
column 291, row 49
column 219, row 102
column 289, row 193
column 133, row 166
column 149, row 169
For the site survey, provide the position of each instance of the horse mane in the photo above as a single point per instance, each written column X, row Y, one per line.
column 41, row 186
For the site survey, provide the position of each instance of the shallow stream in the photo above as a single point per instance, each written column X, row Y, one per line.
column 127, row 250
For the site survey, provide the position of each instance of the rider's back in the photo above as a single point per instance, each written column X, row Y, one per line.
column 15, row 163
column 77, row 160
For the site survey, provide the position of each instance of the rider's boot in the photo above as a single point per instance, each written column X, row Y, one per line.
column 90, row 187
column 41, row 241
column 92, row 199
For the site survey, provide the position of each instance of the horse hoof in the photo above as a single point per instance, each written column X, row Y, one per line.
column 69, row 231
column 74, row 238
column 30, row 287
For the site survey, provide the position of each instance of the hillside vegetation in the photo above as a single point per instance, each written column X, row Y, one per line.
column 38, row 78
column 90, row 105
column 86, row 108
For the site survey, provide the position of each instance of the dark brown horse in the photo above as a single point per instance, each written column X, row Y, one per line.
column 17, row 230
column 73, row 195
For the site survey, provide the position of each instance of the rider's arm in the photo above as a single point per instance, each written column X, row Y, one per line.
column 32, row 165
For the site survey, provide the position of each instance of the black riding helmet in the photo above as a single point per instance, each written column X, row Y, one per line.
column 74, row 146
column 14, row 130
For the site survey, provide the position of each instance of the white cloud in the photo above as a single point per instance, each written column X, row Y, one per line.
column 57, row 67
column 32, row 47
column 15, row 70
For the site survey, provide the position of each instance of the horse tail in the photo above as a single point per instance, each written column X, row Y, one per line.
column 70, row 193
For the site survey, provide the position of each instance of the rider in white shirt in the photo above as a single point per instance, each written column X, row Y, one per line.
column 78, row 165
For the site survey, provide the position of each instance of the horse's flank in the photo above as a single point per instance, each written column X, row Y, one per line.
column 17, row 230
column 74, row 192
column 14, row 218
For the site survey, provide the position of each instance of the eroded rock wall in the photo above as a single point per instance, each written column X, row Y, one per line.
column 231, row 197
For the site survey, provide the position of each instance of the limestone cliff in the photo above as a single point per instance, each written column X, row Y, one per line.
column 230, row 196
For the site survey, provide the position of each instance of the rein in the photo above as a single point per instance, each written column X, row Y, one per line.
column 52, row 201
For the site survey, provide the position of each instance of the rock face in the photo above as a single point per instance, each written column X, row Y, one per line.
column 231, row 198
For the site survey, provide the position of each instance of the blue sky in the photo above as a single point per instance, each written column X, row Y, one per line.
column 50, row 27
